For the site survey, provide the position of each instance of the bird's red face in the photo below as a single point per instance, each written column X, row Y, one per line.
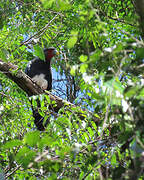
column 50, row 52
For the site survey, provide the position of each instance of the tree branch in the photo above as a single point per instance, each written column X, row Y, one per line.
column 20, row 78
column 26, row 83
column 31, row 88
column 139, row 6
column 10, row 174
column 39, row 33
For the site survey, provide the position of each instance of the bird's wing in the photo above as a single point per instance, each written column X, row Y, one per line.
column 35, row 67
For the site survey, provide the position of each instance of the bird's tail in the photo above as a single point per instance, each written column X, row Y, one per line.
column 38, row 119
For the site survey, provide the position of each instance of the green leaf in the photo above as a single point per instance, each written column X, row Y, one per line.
column 95, row 56
column 47, row 99
column 83, row 68
column 131, row 91
column 86, row 136
column 32, row 138
column 34, row 100
column 64, row 151
column 25, row 156
column 81, row 175
column 83, row 58
column 38, row 51
column 118, row 86
column 57, row 5
column 63, row 5
column 141, row 94
column 73, row 70
column 46, row 141
column 113, row 160
column 3, row 54
column 118, row 48
column 140, row 53
column 94, row 126
column 72, row 41
column 47, row 3
column 12, row 143
column 124, row 137
column 91, row 132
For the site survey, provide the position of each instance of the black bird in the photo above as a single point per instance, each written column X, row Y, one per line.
column 40, row 72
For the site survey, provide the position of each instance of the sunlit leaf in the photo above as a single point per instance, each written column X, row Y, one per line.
column 38, row 51
column 83, row 68
column 73, row 70
column 63, row 5
column 25, row 156
column 32, row 138
column 12, row 143
column 73, row 39
column 113, row 160
column 47, row 3
column 71, row 42
column 83, row 58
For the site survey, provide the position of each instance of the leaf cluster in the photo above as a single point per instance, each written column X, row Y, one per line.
column 100, row 69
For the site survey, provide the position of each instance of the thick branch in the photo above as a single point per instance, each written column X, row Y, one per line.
column 20, row 78
column 139, row 5
column 31, row 88
column 26, row 83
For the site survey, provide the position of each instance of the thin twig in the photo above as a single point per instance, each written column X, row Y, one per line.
column 105, row 119
column 39, row 32
column 91, row 170
column 135, row 39
column 140, row 66
column 13, row 172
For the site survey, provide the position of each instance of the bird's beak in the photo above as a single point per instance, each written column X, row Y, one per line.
column 56, row 53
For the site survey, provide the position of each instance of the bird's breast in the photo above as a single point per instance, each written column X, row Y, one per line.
column 41, row 81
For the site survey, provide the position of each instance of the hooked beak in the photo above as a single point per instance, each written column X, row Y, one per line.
column 56, row 53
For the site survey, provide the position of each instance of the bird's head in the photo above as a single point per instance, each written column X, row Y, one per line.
column 50, row 52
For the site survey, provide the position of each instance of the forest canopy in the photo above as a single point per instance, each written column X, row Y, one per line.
column 96, row 106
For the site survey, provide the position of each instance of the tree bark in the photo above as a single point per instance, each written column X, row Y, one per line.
column 20, row 78
column 31, row 88
column 139, row 6
column 27, row 84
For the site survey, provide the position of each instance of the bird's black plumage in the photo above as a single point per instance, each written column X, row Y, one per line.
column 40, row 72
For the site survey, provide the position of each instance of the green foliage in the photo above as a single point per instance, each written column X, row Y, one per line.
column 25, row 156
column 38, row 51
column 12, row 143
column 102, row 62
column 32, row 138
column 72, row 41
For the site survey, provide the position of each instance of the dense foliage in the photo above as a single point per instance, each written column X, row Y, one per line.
column 100, row 69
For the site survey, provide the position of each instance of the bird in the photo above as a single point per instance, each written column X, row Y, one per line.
column 40, row 72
